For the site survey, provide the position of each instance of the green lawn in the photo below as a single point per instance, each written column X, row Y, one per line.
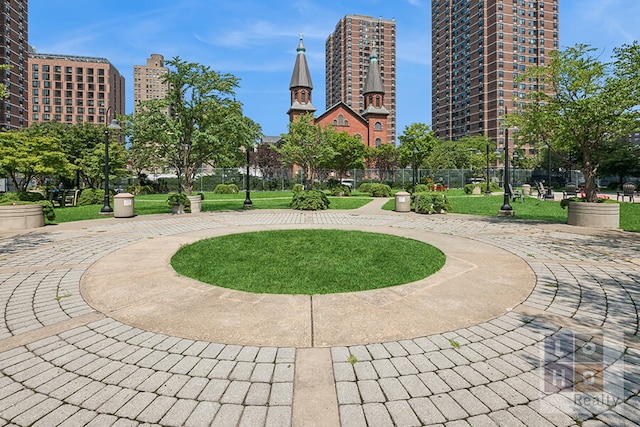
column 531, row 209
column 307, row 261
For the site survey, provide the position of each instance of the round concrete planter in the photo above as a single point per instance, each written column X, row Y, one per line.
column 196, row 202
column 21, row 217
column 595, row 215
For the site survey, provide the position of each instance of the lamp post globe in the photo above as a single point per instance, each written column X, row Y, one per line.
column 106, row 209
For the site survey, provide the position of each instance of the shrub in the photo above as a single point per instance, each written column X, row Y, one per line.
column 226, row 189
column 30, row 196
column 380, row 190
column 48, row 210
column 341, row 190
column 137, row 190
column 432, row 202
column 176, row 199
column 201, row 196
column 365, row 187
column 90, row 196
column 297, row 188
column 421, row 188
column 309, row 200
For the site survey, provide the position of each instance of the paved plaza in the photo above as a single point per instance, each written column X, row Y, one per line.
column 528, row 324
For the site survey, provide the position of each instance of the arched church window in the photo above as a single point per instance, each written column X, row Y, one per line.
column 377, row 126
column 378, row 142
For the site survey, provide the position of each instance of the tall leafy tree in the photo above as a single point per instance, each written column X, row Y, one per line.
column 308, row 146
column 581, row 104
column 385, row 159
column 199, row 122
column 416, row 137
column 25, row 158
column 350, row 152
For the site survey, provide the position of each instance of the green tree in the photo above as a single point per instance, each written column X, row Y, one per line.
column 581, row 104
column 385, row 159
column 199, row 122
column 350, row 153
column 25, row 158
column 620, row 158
column 307, row 145
column 418, row 137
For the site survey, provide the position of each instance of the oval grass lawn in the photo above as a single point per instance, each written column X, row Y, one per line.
column 307, row 261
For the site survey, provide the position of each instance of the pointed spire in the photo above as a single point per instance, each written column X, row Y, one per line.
column 301, row 76
column 373, row 82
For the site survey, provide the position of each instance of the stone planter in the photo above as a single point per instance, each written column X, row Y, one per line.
column 177, row 209
column 196, row 203
column 526, row 190
column 21, row 217
column 595, row 215
column 476, row 190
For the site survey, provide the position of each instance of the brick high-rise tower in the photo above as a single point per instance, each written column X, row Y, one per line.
column 14, row 51
column 479, row 47
column 347, row 56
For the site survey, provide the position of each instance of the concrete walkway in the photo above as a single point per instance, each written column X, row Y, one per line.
column 98, row 330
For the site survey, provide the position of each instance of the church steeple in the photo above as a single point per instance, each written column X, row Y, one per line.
column 374, row 88
column 300, row 85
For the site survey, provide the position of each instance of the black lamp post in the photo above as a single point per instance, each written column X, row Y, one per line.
column 413, row 173
column 106, row 209
column 549, row 193
column 505, row 205
column 247, row 201
column 487, row 192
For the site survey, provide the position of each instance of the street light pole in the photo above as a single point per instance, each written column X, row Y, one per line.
column 106, row 209
column 505, row 205
column 487, row 192
column 247, row 201
column 413, row 173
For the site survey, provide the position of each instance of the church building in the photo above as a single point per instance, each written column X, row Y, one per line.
column 370, row 125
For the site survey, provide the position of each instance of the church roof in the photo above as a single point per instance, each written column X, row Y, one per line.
column 301, row 76
column 373, row 82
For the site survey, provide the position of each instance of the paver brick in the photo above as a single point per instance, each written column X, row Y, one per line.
column 253, row 416
column 281, row 394
column 57, row 416
column 378, row 351
column 453, row 379
column 505, row 391
column 360, row 352
column 222, row 369
column 283, row 372
column 203, row 414
column 393, row 389
column 266, row 355
column 434, row 383
column 402, row 414
column 173, row 385
column 384, row 368
column 134, row 406
column 214, row 390
column 258, row 394
column 228, row 415
column 192, row 388
column 348, row 393
column 449, row 408
column 469, row 402
column 36, row 412
column 377, row 414
column 404, row 366
column 242, row 371
column 179, row 412
column 370, row 391
column 117, row 401
column 352, row 415
column 278, row 416
column 157, row 409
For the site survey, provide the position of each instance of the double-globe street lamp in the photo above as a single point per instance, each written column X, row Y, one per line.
column 106, row 209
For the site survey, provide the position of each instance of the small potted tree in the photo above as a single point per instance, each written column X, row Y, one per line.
column 581, row 104
column 178, row 202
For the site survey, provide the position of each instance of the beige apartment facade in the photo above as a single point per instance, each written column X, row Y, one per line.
column 74, row 89
column 479, row 48
column 148, row 80
column 348, row 56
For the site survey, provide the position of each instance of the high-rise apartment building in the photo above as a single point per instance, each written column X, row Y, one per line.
column 14, row 48
column 479, row 47
column 347, row 56
column 147, row 80
column 74, row 89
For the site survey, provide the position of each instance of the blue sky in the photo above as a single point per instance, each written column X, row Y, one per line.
column 256, row 41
